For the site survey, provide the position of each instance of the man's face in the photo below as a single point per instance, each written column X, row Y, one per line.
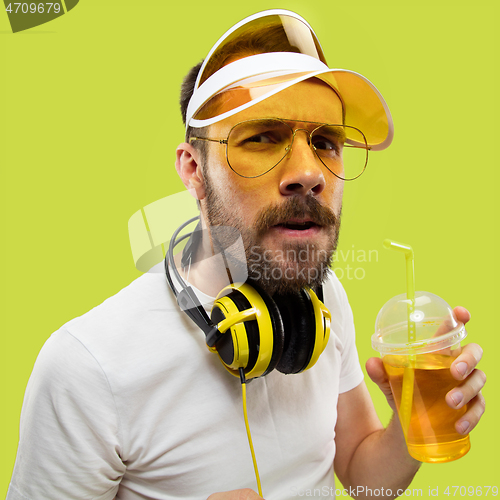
column 289, row 218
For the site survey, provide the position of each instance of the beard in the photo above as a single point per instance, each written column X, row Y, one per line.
column 297, row 264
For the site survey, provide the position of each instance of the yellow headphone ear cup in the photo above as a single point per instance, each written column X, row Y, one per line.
column 307, row 329
column 298, row 320
column 277, row 332
column 322, row 319
column 259, row 333
column 287, row 332
column 233, row 348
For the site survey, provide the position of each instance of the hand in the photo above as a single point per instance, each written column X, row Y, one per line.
column 246, row 494
column 463, row 368
column 376, row 371
column 473, row 380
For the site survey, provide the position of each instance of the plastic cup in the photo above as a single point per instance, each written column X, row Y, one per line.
column 419, row 373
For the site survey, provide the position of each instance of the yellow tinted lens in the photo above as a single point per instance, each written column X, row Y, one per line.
column 340, row 157
column 256, row 146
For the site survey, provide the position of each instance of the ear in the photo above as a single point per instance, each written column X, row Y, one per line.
column 188, row 166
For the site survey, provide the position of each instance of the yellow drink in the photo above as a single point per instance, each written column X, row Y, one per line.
column 431, row 434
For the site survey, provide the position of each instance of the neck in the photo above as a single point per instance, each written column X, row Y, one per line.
column 214, row 259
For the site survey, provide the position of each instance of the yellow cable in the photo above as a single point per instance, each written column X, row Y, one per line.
column 244, row 394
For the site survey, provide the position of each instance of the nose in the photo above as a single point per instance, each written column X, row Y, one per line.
column 301, row 170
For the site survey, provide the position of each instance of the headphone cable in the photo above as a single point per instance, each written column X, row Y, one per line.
column 245, row 415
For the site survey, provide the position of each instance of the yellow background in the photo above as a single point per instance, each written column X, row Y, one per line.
column 89, row 126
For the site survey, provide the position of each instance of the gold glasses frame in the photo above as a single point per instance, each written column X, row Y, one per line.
column 289, row 147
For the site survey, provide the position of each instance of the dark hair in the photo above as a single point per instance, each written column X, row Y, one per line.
column 187, row 89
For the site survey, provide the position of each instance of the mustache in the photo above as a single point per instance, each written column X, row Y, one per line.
column 296, row 207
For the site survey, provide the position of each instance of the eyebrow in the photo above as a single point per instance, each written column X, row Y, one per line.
column 290, row 121
column 337, row 131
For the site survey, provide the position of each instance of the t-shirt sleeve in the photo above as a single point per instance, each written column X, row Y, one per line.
column 351, row 374
column 69, row 444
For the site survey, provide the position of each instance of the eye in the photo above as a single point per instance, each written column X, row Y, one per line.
column 262, row 138
column 259, row 135
column 327, row 145
column 328, row 141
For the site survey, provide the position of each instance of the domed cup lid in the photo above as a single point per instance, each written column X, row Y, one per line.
column 435, row 324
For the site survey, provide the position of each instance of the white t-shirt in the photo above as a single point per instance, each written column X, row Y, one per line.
column 126, row 401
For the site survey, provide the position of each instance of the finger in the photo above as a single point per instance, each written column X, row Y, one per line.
column 469, row 389
column 472, row 416
column 462, row 314
column 466, row 362
column 376, row 371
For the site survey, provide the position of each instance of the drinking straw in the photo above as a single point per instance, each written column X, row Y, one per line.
column 409, row 373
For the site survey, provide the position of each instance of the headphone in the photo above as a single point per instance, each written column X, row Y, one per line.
column 248, row 328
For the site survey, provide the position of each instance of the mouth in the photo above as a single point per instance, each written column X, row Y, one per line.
column 297, row 228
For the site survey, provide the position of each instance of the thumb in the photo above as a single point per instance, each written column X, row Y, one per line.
column 376, row 371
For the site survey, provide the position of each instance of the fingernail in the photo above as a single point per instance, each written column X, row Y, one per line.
column 463, row 426
column 457, row 397
column 461, row 368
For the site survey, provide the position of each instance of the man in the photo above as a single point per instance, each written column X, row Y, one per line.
column 126, row 402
